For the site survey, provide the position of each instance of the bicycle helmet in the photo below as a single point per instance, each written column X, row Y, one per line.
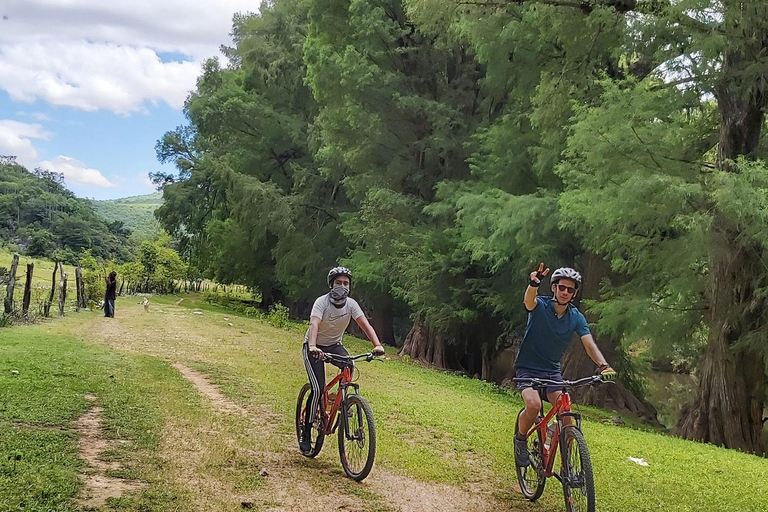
column 339, row 271
column 566, row 273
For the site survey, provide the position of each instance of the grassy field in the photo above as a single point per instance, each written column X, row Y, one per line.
column 436, row 430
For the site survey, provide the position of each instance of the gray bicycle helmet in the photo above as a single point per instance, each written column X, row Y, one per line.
column 566, row 273
column 339, row 271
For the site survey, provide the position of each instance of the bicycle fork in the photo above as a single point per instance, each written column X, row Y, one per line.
column 344, row 413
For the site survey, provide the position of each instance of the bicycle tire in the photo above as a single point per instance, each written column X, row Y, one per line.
column 578, row 480
column 318, row 433
column 531, row 478
column 362, row 430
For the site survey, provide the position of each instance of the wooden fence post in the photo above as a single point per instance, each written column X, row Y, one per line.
column 11, row 285
column 47, row 308
column 27, row 290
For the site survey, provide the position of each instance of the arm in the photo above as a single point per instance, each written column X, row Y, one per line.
column 530, row 298
column 533, row 287
column 368, row 330
column 592, row 351
column 314, row 325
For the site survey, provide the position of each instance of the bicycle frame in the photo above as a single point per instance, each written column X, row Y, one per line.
column 561, row 409
column 344, row 380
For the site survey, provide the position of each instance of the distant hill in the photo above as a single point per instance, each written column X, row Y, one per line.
column 39, row 216
column 136, row 213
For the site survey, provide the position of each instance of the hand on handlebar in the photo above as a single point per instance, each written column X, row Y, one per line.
column 316, row 352
column 607, row 373
column 378, row 350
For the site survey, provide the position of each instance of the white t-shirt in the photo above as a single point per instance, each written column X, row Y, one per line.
column 333, row 320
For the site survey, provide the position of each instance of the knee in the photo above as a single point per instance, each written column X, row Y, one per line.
column 532, row 403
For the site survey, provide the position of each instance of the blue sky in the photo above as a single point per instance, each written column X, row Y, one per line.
column 91, row 97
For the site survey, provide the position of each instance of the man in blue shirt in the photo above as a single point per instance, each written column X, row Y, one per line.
column 551, row 324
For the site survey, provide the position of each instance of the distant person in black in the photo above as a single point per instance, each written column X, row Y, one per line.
column 109, row 296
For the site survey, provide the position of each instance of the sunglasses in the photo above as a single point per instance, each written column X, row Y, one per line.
column 569, row 289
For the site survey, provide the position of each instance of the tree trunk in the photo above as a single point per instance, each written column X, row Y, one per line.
column 488, row 355
column 62, row 292
column 423, row 345
column 47, row 308
column 122, row 283
column 731, row 393
column 78, row 287
column 27, row 291
column 577, row 364
column 8, row 303
column 382, row 321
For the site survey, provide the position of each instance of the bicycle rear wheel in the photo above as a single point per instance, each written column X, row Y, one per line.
column 531, row 478
column 318, row 432
column 578, row 480
column 357, row 438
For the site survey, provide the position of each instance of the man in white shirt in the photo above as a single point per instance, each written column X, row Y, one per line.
column 329, row 319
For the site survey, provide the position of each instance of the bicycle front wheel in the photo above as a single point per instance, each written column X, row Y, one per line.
column 531, row 478
column 357, row 438
column 578, row 480
column 318, row 433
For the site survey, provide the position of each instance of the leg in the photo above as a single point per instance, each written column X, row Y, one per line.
column 338, row 350
column 316, row 373
column 532, row 408
column 552, row 396
column 525, row 420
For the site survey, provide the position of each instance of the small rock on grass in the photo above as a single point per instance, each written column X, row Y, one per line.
column 263, row 472
column 246, row 504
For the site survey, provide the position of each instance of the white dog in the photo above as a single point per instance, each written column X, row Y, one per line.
column 145, row 304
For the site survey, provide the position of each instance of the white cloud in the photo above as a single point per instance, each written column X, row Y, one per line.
column 146, row 182
column 16, row 140
column 94, row 76
column 76, row 173
column 90, row 54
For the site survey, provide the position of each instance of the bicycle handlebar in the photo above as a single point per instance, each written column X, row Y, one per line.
column 343, row 359
column 541, row 383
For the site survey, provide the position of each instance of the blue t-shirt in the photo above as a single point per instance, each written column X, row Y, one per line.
column 547, row 337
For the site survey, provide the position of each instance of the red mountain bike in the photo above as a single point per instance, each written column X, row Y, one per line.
column 357, row 432
column 543, row 439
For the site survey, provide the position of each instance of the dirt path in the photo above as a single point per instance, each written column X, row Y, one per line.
column 292, row 482
column 91, row 444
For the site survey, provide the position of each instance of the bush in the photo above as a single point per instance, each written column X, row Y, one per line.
column 278, row 316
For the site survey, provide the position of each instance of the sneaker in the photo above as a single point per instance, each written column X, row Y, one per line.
column 305, row 443
column 521, row 451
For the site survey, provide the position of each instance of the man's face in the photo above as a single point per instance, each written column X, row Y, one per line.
column 341, row 281
column 564, row 290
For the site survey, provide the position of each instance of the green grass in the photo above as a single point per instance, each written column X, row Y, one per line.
column 39, row 462
column 441, row 427
column 432, row 426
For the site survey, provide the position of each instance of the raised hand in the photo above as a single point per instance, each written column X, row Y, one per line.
column 537, row 275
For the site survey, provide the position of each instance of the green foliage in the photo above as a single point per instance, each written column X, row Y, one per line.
column 278, row 316
column 135, row 214
column 43, row 218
